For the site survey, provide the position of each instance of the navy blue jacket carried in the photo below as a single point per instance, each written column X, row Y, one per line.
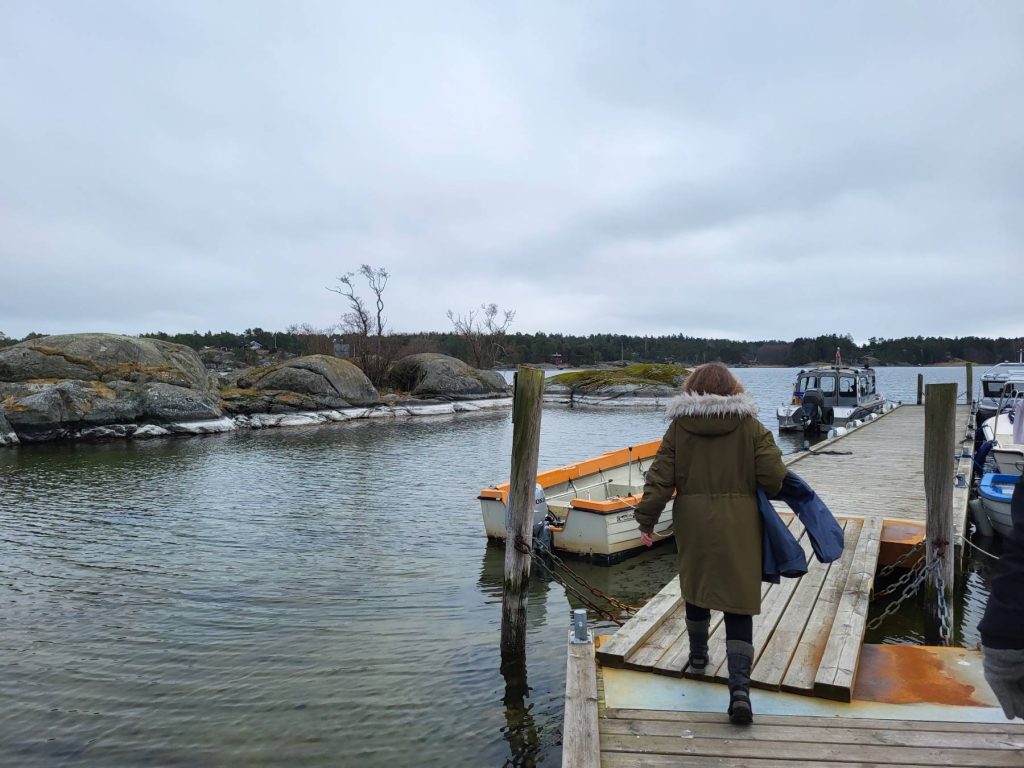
column 1003, row 623
column 781, row 554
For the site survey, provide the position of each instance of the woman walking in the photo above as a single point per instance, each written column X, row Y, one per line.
column 714, row 455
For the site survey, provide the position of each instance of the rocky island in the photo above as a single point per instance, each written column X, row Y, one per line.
column 98, row 385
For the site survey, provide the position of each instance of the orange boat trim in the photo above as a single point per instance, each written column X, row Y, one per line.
column 569, row 472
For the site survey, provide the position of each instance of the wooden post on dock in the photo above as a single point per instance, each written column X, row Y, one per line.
column 527, row 397
column 939, row 444
column 970, row 383
column 920, row 387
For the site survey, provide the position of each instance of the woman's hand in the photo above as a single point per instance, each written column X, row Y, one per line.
column 647, row 539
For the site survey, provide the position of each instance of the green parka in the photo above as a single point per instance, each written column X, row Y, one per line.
column 713, row 456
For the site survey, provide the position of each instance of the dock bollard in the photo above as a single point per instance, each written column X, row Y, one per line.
column 580, row 634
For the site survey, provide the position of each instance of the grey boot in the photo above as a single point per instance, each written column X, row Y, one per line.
column 740, row 655
column 698, row 634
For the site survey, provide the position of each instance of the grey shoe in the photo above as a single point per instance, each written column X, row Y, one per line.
column 698, row 634
column 740, row 655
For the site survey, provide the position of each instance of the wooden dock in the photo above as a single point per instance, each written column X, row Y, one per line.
column 827, row 699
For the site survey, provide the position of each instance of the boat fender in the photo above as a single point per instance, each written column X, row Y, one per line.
column 980, row 518
column 981, row 455
column 837, row 432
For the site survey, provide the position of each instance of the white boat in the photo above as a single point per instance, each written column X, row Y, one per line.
column 993, row 382
column 587, row 507
column 995, row 493
column 828, row 397
column 997, row 431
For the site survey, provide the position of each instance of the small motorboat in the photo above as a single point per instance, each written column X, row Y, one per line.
column 995, row 493
column 829, row 397
column 586, row 508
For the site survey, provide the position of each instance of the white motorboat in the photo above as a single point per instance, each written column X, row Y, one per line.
column 587, row 507
column 828, row 397
column 993, row 382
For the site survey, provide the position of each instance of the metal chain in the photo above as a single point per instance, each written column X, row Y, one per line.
column 945, row 621
column 520, row 545
column 911, row 574
column 901, row 559
column 614, row 601
column 909, row 591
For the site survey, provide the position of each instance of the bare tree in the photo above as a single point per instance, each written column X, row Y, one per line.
column 483, row 330
column 378, row 280
column 375, row 356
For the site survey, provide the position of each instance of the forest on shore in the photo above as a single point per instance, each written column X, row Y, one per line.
column 504, row 349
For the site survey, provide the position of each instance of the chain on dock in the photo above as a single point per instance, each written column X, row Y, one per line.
column 557, row 565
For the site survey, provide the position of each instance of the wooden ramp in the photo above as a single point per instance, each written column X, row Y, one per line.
column 809, row 634
column 807, row 637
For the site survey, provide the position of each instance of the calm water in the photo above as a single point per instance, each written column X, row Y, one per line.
column 305, row 596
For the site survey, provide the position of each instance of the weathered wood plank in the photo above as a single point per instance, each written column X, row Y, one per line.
column 1014, row 728
column 646, row 621
column 838, row 668
column 781, row 646
column 580, row 746
column 670, row 634
column 636, row 760
column 783, row 752
column 821, row 732
column 803, row 667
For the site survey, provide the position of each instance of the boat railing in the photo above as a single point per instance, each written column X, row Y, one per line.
column 575, row 492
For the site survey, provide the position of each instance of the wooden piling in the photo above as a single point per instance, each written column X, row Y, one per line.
column 920, row 387
column 939, row 444
column 526, row 410
column 970, row 383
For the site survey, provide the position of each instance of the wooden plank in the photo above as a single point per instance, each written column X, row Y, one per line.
column 803, row 667
column 816, row 733
column 671, row 633
column 838, row 667
column 1008, row 727
column 784, row 752
column 580, row 747
column 636, row 760
column 781, row 646
column 646, row 621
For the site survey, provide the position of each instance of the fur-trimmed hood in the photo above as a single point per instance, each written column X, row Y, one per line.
column 711, row 414
column 706, row 406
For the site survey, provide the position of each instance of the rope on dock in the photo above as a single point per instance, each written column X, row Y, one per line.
column 967, row 541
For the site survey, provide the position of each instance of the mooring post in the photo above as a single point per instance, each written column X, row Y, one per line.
column 527, row 397
column 920, row 387
column 939, row 445
column 970, row 383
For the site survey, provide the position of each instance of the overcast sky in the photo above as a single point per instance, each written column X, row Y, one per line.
column 748, row 170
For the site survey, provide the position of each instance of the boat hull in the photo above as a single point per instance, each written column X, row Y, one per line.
column 995, row 494
column 842, row 417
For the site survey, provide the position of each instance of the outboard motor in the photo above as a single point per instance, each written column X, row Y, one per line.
column 814, row 411
column 541, row 519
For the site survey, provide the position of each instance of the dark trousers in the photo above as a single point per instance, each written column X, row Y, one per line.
column 738, row 626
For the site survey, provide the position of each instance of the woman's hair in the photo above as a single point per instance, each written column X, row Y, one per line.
column 712, row 379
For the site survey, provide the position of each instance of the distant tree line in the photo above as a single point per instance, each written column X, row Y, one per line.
column 515, row 348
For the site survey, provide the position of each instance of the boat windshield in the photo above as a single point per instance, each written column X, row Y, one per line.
column 827, row 385
column 992, row 388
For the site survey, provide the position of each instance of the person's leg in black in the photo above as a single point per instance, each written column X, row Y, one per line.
column 698, row 621
column 739, row 648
